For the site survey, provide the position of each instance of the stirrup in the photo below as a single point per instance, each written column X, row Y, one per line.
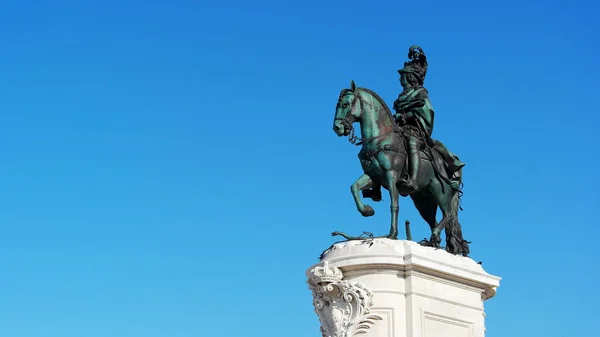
column 412, row 185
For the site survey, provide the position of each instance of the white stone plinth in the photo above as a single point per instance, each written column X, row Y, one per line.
column 391, row 288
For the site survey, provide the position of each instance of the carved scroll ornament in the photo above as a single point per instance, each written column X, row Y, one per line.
column 342, row 306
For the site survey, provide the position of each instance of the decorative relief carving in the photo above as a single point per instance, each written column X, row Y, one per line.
column 342, row 306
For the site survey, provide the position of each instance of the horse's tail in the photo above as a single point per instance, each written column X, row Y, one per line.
column 455, row 243
column 457, row 184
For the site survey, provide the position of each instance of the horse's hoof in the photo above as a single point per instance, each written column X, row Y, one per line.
column 425, row 243
column 368, row 211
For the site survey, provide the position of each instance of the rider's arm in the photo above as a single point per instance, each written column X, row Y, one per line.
column 417, row 102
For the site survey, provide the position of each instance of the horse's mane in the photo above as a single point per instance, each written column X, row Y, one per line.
column 378, row 98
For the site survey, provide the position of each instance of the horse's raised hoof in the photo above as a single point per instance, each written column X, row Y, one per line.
column 367, row 211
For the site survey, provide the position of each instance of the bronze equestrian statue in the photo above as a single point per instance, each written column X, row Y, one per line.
column 399, row 154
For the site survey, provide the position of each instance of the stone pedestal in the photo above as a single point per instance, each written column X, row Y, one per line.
column 389, row 288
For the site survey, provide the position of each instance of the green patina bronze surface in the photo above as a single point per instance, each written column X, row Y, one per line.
column 398, row 154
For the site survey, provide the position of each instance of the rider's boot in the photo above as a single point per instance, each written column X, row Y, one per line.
column 414, row 158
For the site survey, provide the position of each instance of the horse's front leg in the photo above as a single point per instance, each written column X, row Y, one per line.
column 392, row 178
column 363, row 183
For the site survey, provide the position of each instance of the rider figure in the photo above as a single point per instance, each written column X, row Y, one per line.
column 415, row 112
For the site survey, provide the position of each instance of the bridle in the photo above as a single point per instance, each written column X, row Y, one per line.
column 349, row 119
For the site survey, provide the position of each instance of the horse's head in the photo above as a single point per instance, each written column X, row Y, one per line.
column 347, row 111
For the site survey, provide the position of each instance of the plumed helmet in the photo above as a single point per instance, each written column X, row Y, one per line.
column 417, row 64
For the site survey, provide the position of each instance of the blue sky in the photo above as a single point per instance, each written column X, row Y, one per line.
column 169, row 168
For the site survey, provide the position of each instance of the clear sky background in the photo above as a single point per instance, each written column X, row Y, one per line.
column 168, row 168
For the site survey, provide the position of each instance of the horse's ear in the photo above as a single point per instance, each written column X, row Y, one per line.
column 352, row 85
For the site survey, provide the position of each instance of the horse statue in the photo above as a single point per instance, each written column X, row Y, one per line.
column 383, row 157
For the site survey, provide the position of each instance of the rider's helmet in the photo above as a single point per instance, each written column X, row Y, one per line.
column 417, row 64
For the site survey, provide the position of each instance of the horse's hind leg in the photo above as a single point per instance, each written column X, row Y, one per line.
column 443, row 197
column 427, row 207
